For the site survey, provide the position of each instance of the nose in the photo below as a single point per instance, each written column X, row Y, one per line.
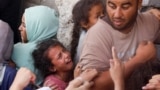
column 20, row 27
column 118, row 13
column 66, row 55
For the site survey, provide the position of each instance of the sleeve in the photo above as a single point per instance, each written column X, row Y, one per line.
column 96, row 49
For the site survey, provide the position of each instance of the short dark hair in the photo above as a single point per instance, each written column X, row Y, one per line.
column 40, row 55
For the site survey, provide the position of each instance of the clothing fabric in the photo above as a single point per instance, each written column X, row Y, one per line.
column 54, row 80
column 101, row 37
column 6, row 45
column 8, row 78
column 41, row 23
column 10, row 13
column 80, row 45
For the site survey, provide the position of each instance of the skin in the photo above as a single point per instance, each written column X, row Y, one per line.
column 117, row 71
column 62, row 62
column 95, row 12
column 26, row 77
column 22, row 29
column 153, row 84
column 122, row 14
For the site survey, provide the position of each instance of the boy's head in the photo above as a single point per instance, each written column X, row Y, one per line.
column 86, row 12
column 51, row 57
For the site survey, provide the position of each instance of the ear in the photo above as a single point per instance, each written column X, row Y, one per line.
column 139, row 4
column 83, row 24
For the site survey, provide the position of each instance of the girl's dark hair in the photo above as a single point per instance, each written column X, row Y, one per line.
column 80, row 13
column 142, row 74
column 40, row 55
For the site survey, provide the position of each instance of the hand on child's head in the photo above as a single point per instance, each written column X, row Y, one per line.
column 154, row 83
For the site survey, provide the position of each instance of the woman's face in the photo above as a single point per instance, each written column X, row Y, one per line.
column 22, row 29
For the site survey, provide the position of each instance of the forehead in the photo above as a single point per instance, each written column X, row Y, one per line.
column 122, row 1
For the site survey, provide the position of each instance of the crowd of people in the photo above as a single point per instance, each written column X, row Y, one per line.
column 113, row 43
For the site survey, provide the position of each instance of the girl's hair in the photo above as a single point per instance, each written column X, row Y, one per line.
column 40, row 56
column 80, row 14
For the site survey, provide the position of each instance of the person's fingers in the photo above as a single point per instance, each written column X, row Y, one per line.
column 114, row 54
column 77, row 82
column 156, row 77
column 153, row 81
column 89, row 74
column 33, row 78
column 86, row 85
column 54, row 87
column 111, row 62
column 149, row 87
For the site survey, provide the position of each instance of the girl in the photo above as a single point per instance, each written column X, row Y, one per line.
column 91, row 10
column 54, row 63
column 38, row 23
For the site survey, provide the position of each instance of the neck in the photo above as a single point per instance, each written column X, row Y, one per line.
column 126, row 31
column 64, row 76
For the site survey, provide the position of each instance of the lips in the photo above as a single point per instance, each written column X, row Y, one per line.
column 118, row 22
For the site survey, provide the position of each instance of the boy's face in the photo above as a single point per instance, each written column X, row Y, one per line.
column 60, row 58
column 95, row 12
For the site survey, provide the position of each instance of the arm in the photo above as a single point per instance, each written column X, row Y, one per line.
column 26, row 77
column 144, row 53
column 117, row 71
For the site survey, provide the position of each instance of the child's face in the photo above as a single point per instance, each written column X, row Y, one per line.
column 22, row 29
column 95, row 12
column 60, row 58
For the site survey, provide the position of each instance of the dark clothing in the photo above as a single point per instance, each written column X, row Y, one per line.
column 9, row 76
column 10, row 13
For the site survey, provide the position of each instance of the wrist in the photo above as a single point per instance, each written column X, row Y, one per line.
column 15, row 87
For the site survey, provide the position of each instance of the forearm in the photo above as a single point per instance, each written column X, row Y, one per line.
column 131, row 65
column 119, row 84
column 15, row 87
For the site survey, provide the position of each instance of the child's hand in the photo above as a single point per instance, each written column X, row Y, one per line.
column 89, row 74
column 155, row 12
column 154, row 83
column 50, row 84
column 79, row 84
column 146, row 51
column 116, row 68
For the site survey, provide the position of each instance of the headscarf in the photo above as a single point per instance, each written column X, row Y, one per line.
column 6, row 45
column 41, row 23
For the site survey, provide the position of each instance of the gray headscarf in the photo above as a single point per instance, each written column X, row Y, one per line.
column 6, row 45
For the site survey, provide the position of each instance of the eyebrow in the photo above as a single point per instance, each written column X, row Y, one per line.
column 127, row 3
column 110, row 2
